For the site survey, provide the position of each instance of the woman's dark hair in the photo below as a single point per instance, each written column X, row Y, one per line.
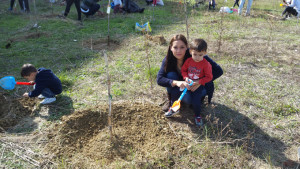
column 171, row 61
column 27, row 69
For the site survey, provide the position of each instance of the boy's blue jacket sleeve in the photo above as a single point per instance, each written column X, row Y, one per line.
column 37, row 91
column 162, row 79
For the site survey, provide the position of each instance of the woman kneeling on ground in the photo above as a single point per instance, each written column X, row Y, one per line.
column 169, row 76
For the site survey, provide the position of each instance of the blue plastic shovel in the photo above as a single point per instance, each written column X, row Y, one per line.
column 9, row 83
column 176, row 104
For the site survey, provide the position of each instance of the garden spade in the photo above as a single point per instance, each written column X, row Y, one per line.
column 176, row 104
column 9, row 83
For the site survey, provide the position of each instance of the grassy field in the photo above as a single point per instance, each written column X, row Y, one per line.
column 256, row 101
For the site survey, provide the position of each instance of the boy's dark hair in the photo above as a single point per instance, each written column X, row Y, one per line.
column 198, row 45
column 27, row 69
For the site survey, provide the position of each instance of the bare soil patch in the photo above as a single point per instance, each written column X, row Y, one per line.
column 100, row 44
column 160, row 39
column 137, row 128
column 13, row 111
column 34, row 35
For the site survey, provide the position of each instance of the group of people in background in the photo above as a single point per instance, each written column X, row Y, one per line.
column 292, row 7
column 24, row 5
column 90, row 7
column 87, row 7
column 212, row 5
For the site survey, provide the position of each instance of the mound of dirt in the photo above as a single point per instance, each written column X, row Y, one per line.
column 12, row 111
column 137, row 128
column 34, row 35
column 157, row 39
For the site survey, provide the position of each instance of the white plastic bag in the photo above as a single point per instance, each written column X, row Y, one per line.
column 118, row 2
column 160, row 2
column 225, row 9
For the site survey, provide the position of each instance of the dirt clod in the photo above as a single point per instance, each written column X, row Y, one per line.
column 100, row 44
column 12, row 111
column 157, row 39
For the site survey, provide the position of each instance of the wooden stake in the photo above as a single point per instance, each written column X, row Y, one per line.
column 148, row 60
column 91, row 43
column 186, row 20
column 108, row 24
column 221, row 31
column 109, row 97
column 51, row 5
column 35, row 18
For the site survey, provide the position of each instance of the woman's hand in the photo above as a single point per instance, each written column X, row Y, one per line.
column 25, row 95
column 181, row 84
column 195, row 86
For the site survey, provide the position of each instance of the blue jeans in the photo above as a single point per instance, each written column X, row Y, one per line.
column 193, row 98
column 212, row 3
column 248, row 6
column 47, row 93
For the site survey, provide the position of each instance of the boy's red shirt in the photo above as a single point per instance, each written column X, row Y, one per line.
column 201, row 71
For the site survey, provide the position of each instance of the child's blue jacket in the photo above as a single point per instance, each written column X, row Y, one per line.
column 45, row 78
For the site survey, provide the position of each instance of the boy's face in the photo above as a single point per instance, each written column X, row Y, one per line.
column 197, row 56
column 31, row 77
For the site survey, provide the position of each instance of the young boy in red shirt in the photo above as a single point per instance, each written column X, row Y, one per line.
column 199, row 70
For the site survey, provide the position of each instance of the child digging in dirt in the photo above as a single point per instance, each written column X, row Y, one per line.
column 199, row 70
column 47, row 84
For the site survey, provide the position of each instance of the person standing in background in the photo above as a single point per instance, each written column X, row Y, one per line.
column 68, row 7
column 24, row 5
column 248, row 7
column 236, row 2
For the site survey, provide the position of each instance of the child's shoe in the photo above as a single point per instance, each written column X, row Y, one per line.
column 41, row 96
column 170, row 113
column 48, row 100
column 199, row 121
